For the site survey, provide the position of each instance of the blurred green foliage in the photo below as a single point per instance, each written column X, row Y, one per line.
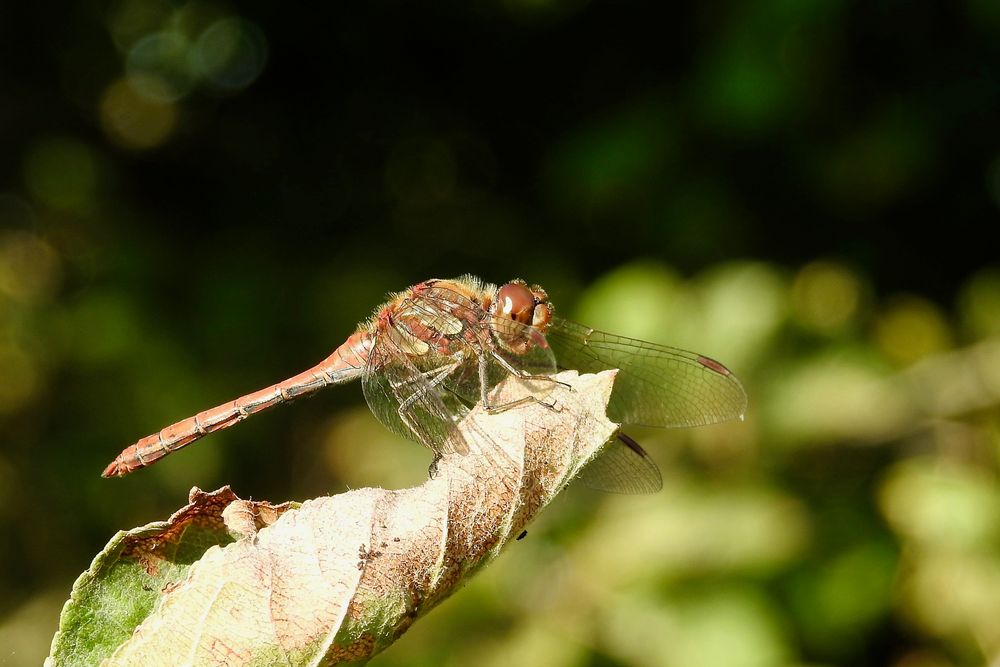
column 198, row 199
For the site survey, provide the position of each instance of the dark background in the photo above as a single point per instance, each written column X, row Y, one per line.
column 198, row 199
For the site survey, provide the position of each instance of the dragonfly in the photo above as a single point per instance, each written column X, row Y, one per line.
column 434, row 351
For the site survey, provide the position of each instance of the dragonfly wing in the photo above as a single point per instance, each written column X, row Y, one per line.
column 656, row 385
column 411, row 401
column 623, row 467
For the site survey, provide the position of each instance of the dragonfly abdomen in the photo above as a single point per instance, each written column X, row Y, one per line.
column 344, row 365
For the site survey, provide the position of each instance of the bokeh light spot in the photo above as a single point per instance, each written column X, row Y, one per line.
column 343, row 461
column 607, row 163
column 911, row 329
column 159, row 67
column 833, row 398
column 731, row 627
column 948, row 506
column 954, row 594
column 133, row 19
column 830, row 609
column 29, row 267
column 133, row 121
column 825, row 296
column 110, row 320
column 635, row 299
column 741, row 92
column 62, row 173
column 230, row 54
column 743, row 304
column 694, row 529
column 988, row 366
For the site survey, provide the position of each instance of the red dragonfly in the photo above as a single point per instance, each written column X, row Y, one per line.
column 436, row 349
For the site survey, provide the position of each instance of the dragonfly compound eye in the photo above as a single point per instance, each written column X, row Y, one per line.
column 515, row 300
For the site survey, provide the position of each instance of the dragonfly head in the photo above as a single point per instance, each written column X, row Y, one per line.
column 529, row 306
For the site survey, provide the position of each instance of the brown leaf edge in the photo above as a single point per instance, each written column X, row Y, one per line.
column 139, row 566
column 339, row 578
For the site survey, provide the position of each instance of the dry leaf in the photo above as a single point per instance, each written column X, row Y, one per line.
column 339, row 578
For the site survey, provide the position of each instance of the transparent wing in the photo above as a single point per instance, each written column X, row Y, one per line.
column 410, row 400
column 623, row 467
column 657, row 385
column 531, row 354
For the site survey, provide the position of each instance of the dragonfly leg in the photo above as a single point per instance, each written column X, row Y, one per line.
column 433, row 379
column 432, row 469
column 524, row 400
column 525, row 376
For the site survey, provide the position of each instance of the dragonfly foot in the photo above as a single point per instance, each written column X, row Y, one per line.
column 432, row 469
column 553, row 406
